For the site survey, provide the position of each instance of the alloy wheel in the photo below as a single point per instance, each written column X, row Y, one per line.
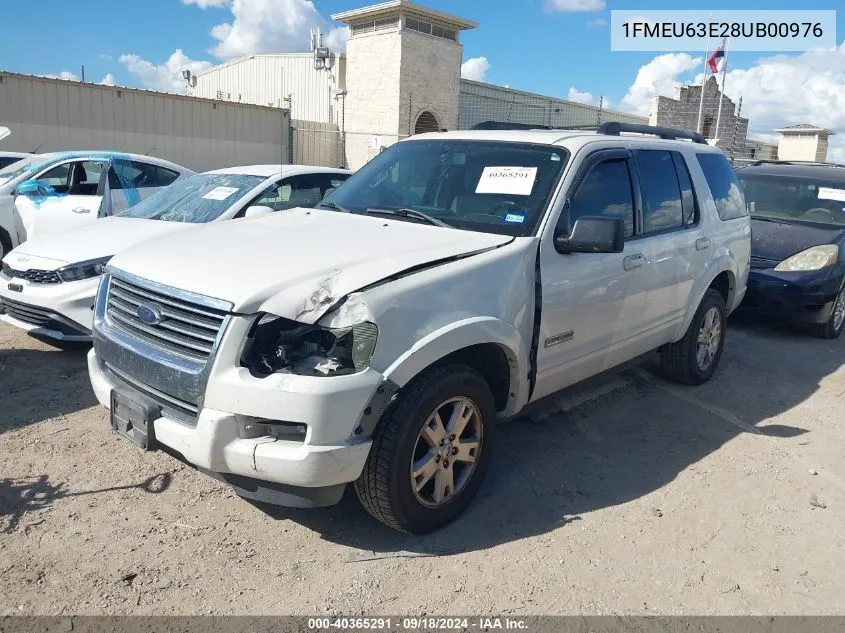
column 709, row 339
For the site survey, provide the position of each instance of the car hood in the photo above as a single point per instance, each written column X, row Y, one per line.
column 778, row 240
column 102, row 238
column 299, row 263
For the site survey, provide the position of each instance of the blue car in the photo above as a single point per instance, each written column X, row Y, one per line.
column 797, row 242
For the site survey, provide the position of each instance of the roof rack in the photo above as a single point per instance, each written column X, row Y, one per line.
column 507, row 125
column 611, row 128
column 615, row 128
column 809, row 163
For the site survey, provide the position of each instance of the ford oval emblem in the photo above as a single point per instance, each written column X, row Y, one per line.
column 149, row 313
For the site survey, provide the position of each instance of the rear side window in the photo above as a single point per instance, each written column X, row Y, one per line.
column 723, row 183
column 605, row 192
column 663, row 208
column 166, row 176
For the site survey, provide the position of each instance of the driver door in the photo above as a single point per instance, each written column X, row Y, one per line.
column 77, row 201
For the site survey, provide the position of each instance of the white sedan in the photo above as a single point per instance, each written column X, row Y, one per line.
column 48, row 284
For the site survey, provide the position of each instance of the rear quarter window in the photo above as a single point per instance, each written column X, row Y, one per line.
column 724, row 186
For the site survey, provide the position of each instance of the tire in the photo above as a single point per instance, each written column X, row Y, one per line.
column 385, row 486
column 834, row 326
column 681, row 360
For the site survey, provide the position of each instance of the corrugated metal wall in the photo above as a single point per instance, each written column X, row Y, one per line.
column 317, row 143
column 52, row 114
column 267, row 79
column 486, row 102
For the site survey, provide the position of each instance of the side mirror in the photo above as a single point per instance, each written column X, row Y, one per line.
column 257, row 210
column 593, row 235
column 34, row 188
column 329, row 192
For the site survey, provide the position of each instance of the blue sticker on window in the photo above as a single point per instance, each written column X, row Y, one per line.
column 515, row 218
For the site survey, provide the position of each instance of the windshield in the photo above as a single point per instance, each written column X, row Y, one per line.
column 195, row 199
column 18, row 168
column 798, row 200
column 493, row 187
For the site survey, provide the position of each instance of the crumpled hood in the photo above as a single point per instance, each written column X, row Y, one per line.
column 779, row 240
column 297, row 263
column 101, row 238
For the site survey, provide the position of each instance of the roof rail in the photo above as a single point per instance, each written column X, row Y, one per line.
column 774, row 161
column 615, row 128
column 507, row 125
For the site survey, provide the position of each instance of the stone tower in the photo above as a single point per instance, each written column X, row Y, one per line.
column 403, row 69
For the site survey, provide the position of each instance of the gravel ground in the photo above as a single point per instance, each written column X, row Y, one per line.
column 629, row 495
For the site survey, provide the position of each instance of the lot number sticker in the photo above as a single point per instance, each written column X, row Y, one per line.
column 829, row 193
column 517, row 181
column 220, row 193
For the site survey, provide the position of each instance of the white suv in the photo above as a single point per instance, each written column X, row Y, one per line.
column 455, row 278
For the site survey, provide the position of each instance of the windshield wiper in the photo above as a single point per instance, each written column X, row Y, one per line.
column 410, row 213
column 332, row 205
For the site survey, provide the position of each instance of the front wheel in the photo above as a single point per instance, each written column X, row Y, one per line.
column 694, row 358
column 833, row 328
column 430, row 451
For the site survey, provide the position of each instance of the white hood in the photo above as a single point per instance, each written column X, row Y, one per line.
column 297, row 263
column 102, row 238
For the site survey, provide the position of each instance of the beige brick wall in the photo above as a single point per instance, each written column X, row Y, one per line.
column 391, row 78
column 372, row 101
column 801, row 148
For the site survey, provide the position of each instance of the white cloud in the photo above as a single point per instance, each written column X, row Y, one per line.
column 108, row 80
column 597, row 22
column 262, row 26
column 658, row 77
column 65, row 74
column 836, row 150
column 475, row 69
column 580, row 97
column 166, row 77
column 575, row 5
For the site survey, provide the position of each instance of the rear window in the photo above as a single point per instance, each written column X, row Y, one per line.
column 723, row 183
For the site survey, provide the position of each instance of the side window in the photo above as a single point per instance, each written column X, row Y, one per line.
column 723, row 183
column 85, row 178
column 166, row 176
column 134, row 174
column 606, row 191
column 58, row 177
column 688, row 200
column 274, row 197
column 662, row 208
column 303, row 191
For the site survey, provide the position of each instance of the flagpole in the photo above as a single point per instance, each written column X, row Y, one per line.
column 704, row 78
column 722, row 93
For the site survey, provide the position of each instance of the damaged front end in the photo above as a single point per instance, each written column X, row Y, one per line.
column 279, row 345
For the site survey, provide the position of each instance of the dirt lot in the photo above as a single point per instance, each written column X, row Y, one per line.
column 628, row 496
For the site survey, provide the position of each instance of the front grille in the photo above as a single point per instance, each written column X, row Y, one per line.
column 33, row 315
column 187, row 328
column 34, row 276
column 26, row 313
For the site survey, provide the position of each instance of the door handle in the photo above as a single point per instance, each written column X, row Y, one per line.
column 701, row 243
column 81, row 210
column 633, row 261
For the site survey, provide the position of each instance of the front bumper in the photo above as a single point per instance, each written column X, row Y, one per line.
column 61, row 311
column 311, row 472
column 805, row 298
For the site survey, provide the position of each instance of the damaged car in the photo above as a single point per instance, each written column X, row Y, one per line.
column 48, row 284
column 379, row 340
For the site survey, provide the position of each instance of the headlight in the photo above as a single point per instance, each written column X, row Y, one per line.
column 83, row 270
column 277, row 344
column 814, row 258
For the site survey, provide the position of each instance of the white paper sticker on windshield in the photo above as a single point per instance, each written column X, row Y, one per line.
column 517, row 181
column 220, row 193
column 829, row 193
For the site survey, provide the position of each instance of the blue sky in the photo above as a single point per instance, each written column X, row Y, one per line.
column 536, row 45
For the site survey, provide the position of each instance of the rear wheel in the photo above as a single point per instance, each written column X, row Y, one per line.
column 430, row 451
column 694, row 358
column 833, row 327
column 5, row 243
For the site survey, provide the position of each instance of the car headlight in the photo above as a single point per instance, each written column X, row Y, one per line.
column 814, row 258
column 83, row 270
column 279, row 345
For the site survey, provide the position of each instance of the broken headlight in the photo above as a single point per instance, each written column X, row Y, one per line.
column 279, row 345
